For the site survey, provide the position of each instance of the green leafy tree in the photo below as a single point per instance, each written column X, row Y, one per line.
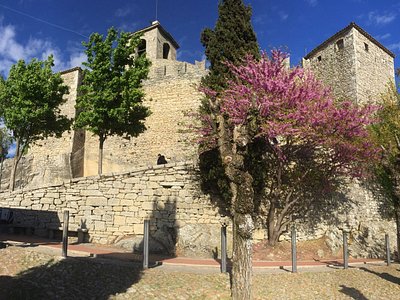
column 30, row 100
column 5, row 144
column 386, row 133
column 111, row 95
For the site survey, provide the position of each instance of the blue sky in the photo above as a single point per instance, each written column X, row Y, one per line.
column 36, row 28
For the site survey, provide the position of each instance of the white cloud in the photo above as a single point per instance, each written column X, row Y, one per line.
column 383, row 36
column 76, row 59
column 122, row 12
column 312, row 2
column 283, row 15
column 381, row 19
column 395, row 46
column 12, row 50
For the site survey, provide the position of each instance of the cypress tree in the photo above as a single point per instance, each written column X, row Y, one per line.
column 232, row 38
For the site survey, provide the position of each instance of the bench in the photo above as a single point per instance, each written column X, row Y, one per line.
column 75, row 230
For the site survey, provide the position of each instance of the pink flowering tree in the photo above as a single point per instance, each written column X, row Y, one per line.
column 281, row 139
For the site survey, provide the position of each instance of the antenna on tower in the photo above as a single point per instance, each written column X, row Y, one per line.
column 156, row 9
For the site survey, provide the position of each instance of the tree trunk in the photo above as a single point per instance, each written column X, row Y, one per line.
column 242, row 257
column 243, row 227
column 17, row 157
column 397, row 216
column 272, row 239
column 100, row 162
column 1, row 171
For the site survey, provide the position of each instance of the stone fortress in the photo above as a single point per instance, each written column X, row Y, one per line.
column 59, row 174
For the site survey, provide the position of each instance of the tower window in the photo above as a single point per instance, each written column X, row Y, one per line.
column 366, row 47
column 166, row 50
column 142, row 47
column 319, row 58
column 340, row 44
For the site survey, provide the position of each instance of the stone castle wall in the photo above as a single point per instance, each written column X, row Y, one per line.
column 353, row 66
column 374, row 69
column 170, row 90
column 182, row 218
column 336, row 67
column 54, row 160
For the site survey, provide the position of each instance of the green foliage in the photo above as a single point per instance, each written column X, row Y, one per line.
column 386, row 133
column 111, row 94
column 231, row 40
column 5, row 143
column 30, row 100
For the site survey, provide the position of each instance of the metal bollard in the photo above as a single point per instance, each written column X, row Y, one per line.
column 65, row 234
column 387, row 242
column 294, row 251
column 223, row 249
column 146, row 244
column 345, row 251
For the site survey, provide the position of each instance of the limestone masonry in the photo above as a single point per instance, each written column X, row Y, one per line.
column 57, row 174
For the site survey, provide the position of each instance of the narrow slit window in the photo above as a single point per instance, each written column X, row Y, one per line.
column 340, row 44
column 319, row 58
column 366, row 47
column 142, row 47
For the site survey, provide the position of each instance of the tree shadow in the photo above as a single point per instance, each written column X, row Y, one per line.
column 352, row 292
column 71, row 278
column 385, row 276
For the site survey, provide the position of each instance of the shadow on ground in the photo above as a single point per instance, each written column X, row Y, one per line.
column 71, row 278
column 385, row 276
column 352, row 292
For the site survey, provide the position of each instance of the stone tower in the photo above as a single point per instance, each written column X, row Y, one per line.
column 354, row 64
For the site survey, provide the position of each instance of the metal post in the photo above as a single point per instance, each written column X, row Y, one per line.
column 65, row 234
column 294, row 252
column 387, row 242
column 223, row 249
column 146, row 244
column 345, row 251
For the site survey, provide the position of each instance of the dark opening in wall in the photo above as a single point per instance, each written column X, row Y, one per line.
column 166, row 49
column 319, row 58
column 142, row 47
column 366, row 47
column 340, row 44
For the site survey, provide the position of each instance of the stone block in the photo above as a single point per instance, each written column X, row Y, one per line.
column 26, row 203
column 91, row 193
column 52, row 195
column 113, row 191
column 138, row 228
column 119, row 220
column 99, row 225
column 132, row 196
column 47, row 200
column 133, row 180
column 149, row 206
column 126, row 229
column 96, row 201
column 148, row 192
column 114, row 201
column 126, row 202
column 117, row 208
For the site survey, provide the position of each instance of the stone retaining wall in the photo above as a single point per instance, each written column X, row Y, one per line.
column 182, row 218
column 113, row 207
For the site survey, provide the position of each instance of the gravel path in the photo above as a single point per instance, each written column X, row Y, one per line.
column 26, row 273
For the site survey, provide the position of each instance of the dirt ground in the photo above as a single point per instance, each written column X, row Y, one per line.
column 306, row 250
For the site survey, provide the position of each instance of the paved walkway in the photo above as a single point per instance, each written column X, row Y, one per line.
column 110, row 252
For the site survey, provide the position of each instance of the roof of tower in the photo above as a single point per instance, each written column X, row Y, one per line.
column 344, row 31
column 166, row 34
